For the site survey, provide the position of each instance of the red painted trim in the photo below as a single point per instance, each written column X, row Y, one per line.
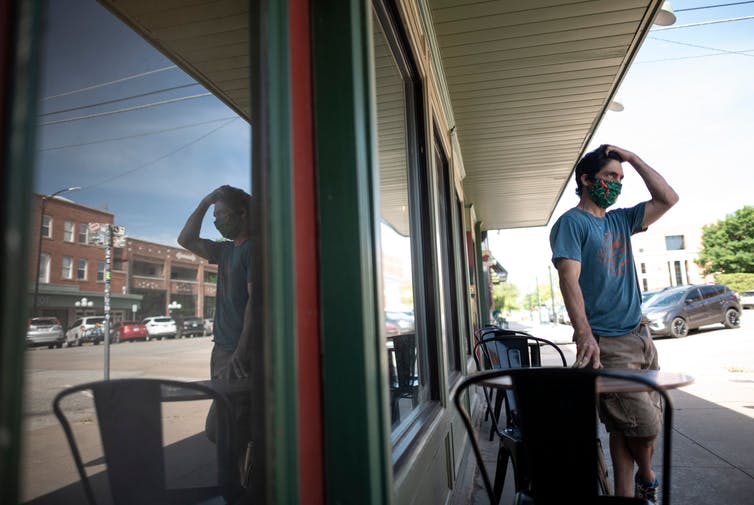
column 311, row 483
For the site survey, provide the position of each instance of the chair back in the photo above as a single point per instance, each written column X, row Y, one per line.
column 558, row 425
column 129, row 415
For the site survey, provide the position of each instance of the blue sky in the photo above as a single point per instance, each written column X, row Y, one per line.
column 152, row 182
column 686, row 114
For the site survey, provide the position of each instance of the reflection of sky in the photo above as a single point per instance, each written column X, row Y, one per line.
column 150, row 182
column 687, row 114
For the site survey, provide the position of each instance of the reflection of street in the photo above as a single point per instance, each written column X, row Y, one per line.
column 47, row 464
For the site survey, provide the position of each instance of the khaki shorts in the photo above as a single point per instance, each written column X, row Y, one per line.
column 633, row 414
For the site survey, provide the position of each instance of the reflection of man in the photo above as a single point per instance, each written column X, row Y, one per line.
column 591, row 249
column 232, row 324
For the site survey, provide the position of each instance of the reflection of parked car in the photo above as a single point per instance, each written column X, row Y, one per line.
column 646, row 296
column 45, row 331
column 160, row 327
column 128, row 330
column 79, row 331
column 677, row 310
column 192, row 327
column 747, row 299
column 209, row 326
column 404, row 320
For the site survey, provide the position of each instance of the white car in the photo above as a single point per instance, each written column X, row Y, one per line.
column 159, row 327
column 747, row 299
column 86, row 329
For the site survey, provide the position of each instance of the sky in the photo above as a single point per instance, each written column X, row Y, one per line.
column 688, row 107
column 688, row 98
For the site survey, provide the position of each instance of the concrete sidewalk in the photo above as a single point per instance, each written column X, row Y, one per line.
column 713, row 430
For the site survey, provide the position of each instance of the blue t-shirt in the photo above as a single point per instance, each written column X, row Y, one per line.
column 608, row 277
column 233, row 277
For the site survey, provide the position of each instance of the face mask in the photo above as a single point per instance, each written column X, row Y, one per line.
column 605, row 193
column 229, row 226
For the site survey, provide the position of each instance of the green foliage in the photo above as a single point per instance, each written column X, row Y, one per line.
column 728, row 245
column 505, row 296
column 737, row 282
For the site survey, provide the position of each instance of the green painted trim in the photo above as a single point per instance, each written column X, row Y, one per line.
column 22, row 74
column 281, row 250
column 356, row 418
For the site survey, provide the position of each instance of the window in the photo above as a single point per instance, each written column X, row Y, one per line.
column 645, row 285
column 643, row 268
column 81, row 270
column 44, row 268
column 100, row 271
column 67, row 270
column 674, row 243
column 46, row 226
column 68, row 227
column 678, row 273
column 83, row 233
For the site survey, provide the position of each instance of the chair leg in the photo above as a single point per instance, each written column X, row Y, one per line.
column 498, row 407
column 500, row 472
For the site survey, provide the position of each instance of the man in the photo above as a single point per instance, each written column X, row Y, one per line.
column 591, row 250
column 232, row 324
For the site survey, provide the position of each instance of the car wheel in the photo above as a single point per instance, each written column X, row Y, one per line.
column 51, row 346
column 59, row 345
column 79, row 342
column 732, row 318
column 679, row 328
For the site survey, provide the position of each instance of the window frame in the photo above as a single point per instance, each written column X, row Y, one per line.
column 85, row 228
column 46, row 225
column 79, row 269
column 45, row 263
column 67, row 231
column 69, row 274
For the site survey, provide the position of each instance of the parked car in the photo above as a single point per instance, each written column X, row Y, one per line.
column 192, row 327
column 747, row 299
column 677, row 310
column 209, row 326
column 86, row 329
column 403, row 319
column 160, row 327
column 45, row 331
column 123, row 331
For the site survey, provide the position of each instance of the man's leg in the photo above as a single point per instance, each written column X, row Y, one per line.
column 624, row 452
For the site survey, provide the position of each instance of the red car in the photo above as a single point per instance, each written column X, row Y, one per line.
column 128, row 330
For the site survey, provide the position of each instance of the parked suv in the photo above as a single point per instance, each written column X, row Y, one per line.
column 45, row 331
column 160, row 327
column 747, row 299
column 86, row 329
column 192, row 327
column 677, row 310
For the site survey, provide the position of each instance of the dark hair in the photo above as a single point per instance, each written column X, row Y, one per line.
column 235, row 198
column 592, row 162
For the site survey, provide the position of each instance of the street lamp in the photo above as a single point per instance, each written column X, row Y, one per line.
column 39, row 249
column 84, row 303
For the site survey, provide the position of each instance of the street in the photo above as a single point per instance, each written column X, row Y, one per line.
column 721, row 360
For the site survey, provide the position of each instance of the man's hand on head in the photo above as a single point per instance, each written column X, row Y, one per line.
column 622, row 153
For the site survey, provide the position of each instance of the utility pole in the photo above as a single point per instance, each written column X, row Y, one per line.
column 552, row 294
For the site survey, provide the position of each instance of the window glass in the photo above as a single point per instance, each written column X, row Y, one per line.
column 44, row 268
column 100, row 271
column 46, row 226
column 396, row 233
column 67, row 267
column 674, row 243
column 81, row 271
column 68, row 231
column 83, row 233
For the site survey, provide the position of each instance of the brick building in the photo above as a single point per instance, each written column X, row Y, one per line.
column 145, row 276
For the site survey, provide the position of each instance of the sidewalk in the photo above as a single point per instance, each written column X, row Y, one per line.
column 713, row 436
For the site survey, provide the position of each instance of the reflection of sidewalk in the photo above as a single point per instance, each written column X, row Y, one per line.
column 557, row 333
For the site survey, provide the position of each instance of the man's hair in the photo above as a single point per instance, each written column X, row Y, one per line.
column 592, row 162
column 237, row 199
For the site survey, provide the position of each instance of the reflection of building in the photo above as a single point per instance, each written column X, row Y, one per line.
column 144, row 275
column 665, row 257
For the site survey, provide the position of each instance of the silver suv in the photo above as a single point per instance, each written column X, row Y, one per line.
column 86, row 329
column 159, row 327
column 675, row 311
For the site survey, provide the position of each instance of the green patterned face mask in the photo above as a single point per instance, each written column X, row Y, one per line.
column 605, row 193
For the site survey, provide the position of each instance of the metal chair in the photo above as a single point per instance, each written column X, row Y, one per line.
column 506, row 349
column 129, row 415
column 558, row 426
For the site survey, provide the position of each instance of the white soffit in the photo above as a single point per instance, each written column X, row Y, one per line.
column 529, row 81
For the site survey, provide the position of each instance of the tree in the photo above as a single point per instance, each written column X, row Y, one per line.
column 505, row 296
column 728, row 245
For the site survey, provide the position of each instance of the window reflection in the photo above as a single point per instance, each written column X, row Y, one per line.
column 395, row 232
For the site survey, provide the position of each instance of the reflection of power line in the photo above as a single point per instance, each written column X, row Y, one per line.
column 145, row 134
column 116, row 81
column 116, row 100
column 127, row 109
column 160, row 158
column 693, row 57
column 720, row 51
column 712, row 6
column 702, row 23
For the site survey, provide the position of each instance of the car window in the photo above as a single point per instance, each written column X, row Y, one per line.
column 162, row 320
column 711, row 291
column 77, row 322
column 95, row 320
column 44, row 322
column 693, row 295
column 667, row 298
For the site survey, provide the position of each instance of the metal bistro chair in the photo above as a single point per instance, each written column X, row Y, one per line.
column 506, row 349
column 129, row 414
column 556, row 412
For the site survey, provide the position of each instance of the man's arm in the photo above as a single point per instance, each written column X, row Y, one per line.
column 587, row 348
column 239, row 362
column 189, row 237
column 663, row 196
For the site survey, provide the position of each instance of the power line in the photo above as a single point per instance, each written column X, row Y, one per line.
column 712, row 6
column 720, row 51
column 693, row 57
column 160, row 158
column 703, row 23
column 125, row 137
column 116, row 81
column 127, row 109
column 116, row 100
